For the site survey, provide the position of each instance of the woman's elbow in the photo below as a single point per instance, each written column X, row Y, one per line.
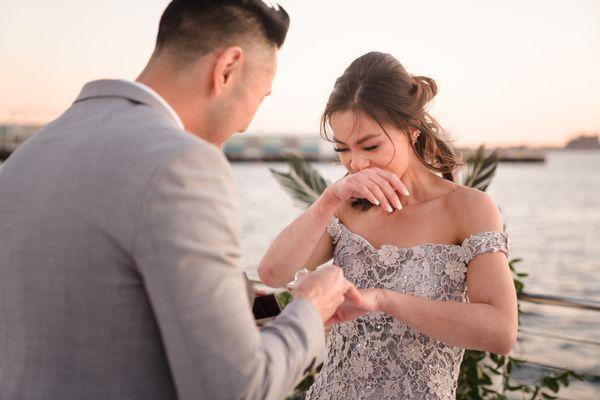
column 505, row 342
column 267, row 276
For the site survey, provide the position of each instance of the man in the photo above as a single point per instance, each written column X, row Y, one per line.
column 119, row 247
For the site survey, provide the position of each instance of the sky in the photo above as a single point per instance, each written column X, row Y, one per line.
column 510, row 72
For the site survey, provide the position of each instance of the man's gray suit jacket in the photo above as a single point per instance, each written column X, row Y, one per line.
column 119, row 265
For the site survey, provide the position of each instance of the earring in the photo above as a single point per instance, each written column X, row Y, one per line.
column 416, row 137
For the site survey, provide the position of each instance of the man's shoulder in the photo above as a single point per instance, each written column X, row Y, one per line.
column 194, row 152
column 150, row 138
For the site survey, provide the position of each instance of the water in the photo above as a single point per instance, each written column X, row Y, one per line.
column 552, row 213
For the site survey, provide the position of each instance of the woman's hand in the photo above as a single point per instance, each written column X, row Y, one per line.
column 356, row 304
column 374, row 184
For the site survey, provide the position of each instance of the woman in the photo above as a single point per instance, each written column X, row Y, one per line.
column 413, row 242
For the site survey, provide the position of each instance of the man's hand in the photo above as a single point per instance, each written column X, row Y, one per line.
column 324, row 288
column 356, row 304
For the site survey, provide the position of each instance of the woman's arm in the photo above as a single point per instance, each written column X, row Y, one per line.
column 489, row 321
column 304, row 243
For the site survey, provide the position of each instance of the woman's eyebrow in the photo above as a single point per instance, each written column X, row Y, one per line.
column 359, row 141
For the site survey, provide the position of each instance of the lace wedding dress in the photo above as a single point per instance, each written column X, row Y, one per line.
column 377, row 356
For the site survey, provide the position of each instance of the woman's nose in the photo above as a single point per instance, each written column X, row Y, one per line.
column 358, row 163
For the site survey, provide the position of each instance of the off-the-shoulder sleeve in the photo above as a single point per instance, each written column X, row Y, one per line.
column 485, row 242
column 334, row 229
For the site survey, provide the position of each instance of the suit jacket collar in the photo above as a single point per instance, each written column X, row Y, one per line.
column 123, row 89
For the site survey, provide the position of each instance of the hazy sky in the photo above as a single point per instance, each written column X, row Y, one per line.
column 509, row 71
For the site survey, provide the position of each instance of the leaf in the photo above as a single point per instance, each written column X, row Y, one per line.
column 493, row 370
column 284, row 298
column 303, row 182
column 513, row 388
column 516, row 260
column 518, row 286
column 550, row 383
column 481, row 169
column 516, row 361
column 308, row 174
column 549, row 397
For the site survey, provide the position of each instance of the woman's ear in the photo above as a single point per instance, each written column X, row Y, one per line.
column 227, row 69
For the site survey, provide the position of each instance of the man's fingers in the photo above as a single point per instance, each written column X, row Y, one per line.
column 340, row 283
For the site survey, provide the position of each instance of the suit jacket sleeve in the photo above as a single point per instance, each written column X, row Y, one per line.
column 186, row 248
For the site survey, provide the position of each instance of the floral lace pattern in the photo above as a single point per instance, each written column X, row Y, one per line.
column 377, row 356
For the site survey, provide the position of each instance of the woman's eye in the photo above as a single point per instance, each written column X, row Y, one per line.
column 338, row 150
column 371, row 148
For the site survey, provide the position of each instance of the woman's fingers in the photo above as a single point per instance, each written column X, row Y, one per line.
column 364, row 191
column 385, row 202
column 387, row 188
column 393, row 179
column 373, row 188
column 353, row 295
column 376, row 185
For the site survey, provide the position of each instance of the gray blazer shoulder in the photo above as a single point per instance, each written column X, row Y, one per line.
column 119, row 265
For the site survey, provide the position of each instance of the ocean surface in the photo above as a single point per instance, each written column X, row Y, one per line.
column 552, row 213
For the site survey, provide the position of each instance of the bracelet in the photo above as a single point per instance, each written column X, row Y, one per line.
column 299, row 275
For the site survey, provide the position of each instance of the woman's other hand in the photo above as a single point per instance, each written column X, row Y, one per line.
column 356, row 304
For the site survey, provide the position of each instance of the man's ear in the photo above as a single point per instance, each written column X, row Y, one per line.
column 227, row 68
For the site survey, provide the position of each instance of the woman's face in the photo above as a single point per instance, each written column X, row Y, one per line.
column 361, row 143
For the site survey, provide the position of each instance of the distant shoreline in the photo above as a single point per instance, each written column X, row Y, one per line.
column 539, row 157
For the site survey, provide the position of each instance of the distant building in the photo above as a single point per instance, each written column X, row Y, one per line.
column 253, row 147
column 521, row 154
column 584, row 142
column 11, row 136
column 514, row 154
column 243, row 147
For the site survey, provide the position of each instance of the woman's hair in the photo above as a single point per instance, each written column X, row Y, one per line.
column 377, row 85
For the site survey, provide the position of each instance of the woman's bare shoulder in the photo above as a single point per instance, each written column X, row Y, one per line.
column 473, row 211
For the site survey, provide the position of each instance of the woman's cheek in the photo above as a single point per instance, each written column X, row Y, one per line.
column 344, row 159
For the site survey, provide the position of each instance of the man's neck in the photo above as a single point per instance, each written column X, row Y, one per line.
column 186, row 91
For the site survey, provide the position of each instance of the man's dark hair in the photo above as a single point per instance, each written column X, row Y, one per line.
column 192, row 28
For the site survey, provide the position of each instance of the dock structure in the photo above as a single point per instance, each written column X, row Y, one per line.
column 521, row 155
column 253, row 147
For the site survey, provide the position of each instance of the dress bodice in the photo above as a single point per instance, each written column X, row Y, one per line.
column 377, row 356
